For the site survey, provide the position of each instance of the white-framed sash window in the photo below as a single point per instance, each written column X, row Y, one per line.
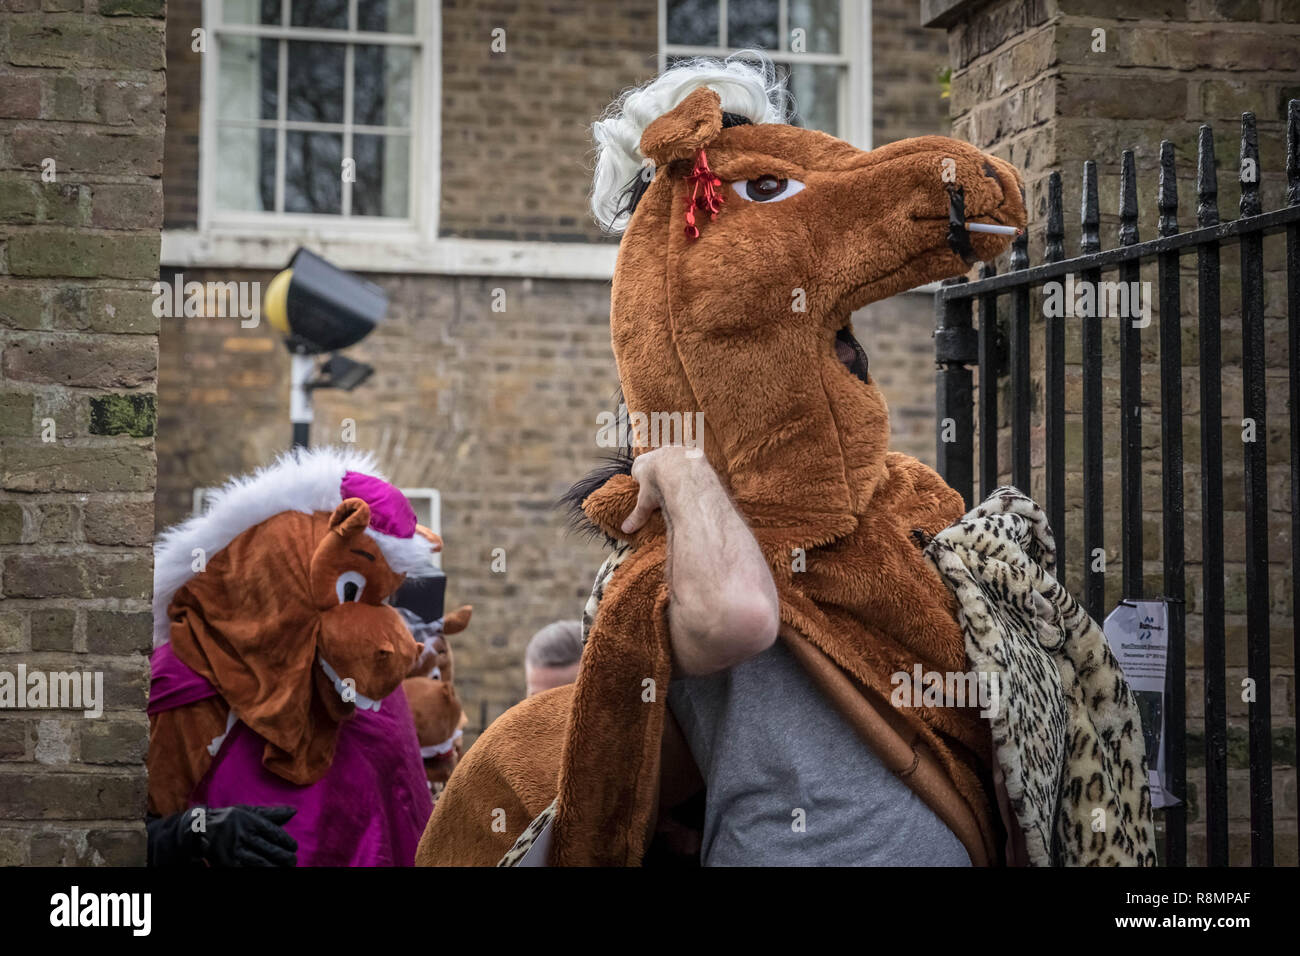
column 821, row 47
column 320, row 116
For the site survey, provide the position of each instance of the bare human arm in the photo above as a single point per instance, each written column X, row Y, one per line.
column 723, row 606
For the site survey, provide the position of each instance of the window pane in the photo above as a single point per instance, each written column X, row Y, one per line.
column 381, row 87
column 316, row 82
column 248, row 78
column 326, row 14
column 752, row 24
column 820, row 22
column 386, row 16
column 251, row 11
column 383, row 175
column 816, row 91
column 245, row 169
column 693, row 22
column 313, row 173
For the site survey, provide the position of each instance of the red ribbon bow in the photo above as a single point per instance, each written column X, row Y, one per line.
column 705, row 194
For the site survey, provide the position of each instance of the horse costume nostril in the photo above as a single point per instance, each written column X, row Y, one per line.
column 989, row 171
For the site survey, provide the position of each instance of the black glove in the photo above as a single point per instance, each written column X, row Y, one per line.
column 223, row 836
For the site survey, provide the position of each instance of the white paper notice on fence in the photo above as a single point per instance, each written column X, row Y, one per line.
column 1139, row 637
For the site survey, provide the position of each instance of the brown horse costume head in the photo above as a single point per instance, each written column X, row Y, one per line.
column 740, row 265
column 274, row 602
column 748, row 323
column 439, row 718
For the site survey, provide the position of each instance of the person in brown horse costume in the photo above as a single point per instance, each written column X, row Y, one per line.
column 775, row 581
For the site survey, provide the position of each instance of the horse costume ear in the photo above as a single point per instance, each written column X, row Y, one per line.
column 351, row 517
column 457, row 620
column 684, row 130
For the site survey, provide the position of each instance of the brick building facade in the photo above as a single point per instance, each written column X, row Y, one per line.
column 1049, row 84
column 82, row 95
column 495, row 409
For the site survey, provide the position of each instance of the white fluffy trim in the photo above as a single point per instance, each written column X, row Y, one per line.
column 405, row 555
column 438, row 750
column 305, row 480
column 746, row 82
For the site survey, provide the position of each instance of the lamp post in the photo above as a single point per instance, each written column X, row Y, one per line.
column 321, row 308
column 300, row 412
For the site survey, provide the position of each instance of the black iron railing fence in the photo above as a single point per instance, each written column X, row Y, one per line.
column 959, row 345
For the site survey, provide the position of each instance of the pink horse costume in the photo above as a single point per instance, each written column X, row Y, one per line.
column 277, row 668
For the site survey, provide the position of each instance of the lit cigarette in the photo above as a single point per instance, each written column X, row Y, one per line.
column 996, row 230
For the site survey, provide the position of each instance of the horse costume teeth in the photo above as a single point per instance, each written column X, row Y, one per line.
column 349, row 695
column 442, row 749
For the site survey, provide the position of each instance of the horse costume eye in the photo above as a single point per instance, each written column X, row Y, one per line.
column 767, row 188
column 349, row 587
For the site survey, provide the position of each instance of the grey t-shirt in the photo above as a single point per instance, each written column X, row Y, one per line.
column 790, row 783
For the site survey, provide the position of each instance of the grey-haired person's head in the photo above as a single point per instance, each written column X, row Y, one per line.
column 551, row 659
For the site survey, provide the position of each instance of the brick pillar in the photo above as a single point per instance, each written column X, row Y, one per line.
column 81, row 143
column 1048, row 84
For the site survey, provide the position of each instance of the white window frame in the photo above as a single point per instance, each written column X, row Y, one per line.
column 425, row 166
column 854, row 120
column 429, row 498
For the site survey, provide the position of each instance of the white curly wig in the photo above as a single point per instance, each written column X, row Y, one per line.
column 747, row 83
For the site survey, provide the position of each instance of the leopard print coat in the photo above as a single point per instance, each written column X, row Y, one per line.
column 1066, row 731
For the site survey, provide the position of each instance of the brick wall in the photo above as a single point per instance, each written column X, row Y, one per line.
column 83, row 102
column 906, row 62
column 516, row 154
column 897, row 335
column 1028, row 85
column 516, row 151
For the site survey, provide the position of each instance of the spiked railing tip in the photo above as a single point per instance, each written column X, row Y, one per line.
column 1167, row 197
column 1054, row 249
column 1020, row 247
column 1128, row 203
column 1249, row 167
column 1207, row 180
column 1293, row 153
column 1089, row 211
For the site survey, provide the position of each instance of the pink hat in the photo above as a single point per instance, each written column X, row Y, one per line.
column 390, row 512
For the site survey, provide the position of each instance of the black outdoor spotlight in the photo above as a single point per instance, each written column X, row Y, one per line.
column 339, row 371
column 321, row 308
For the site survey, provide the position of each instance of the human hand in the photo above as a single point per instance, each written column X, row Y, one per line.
column 247, row 836
column 662, row 474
